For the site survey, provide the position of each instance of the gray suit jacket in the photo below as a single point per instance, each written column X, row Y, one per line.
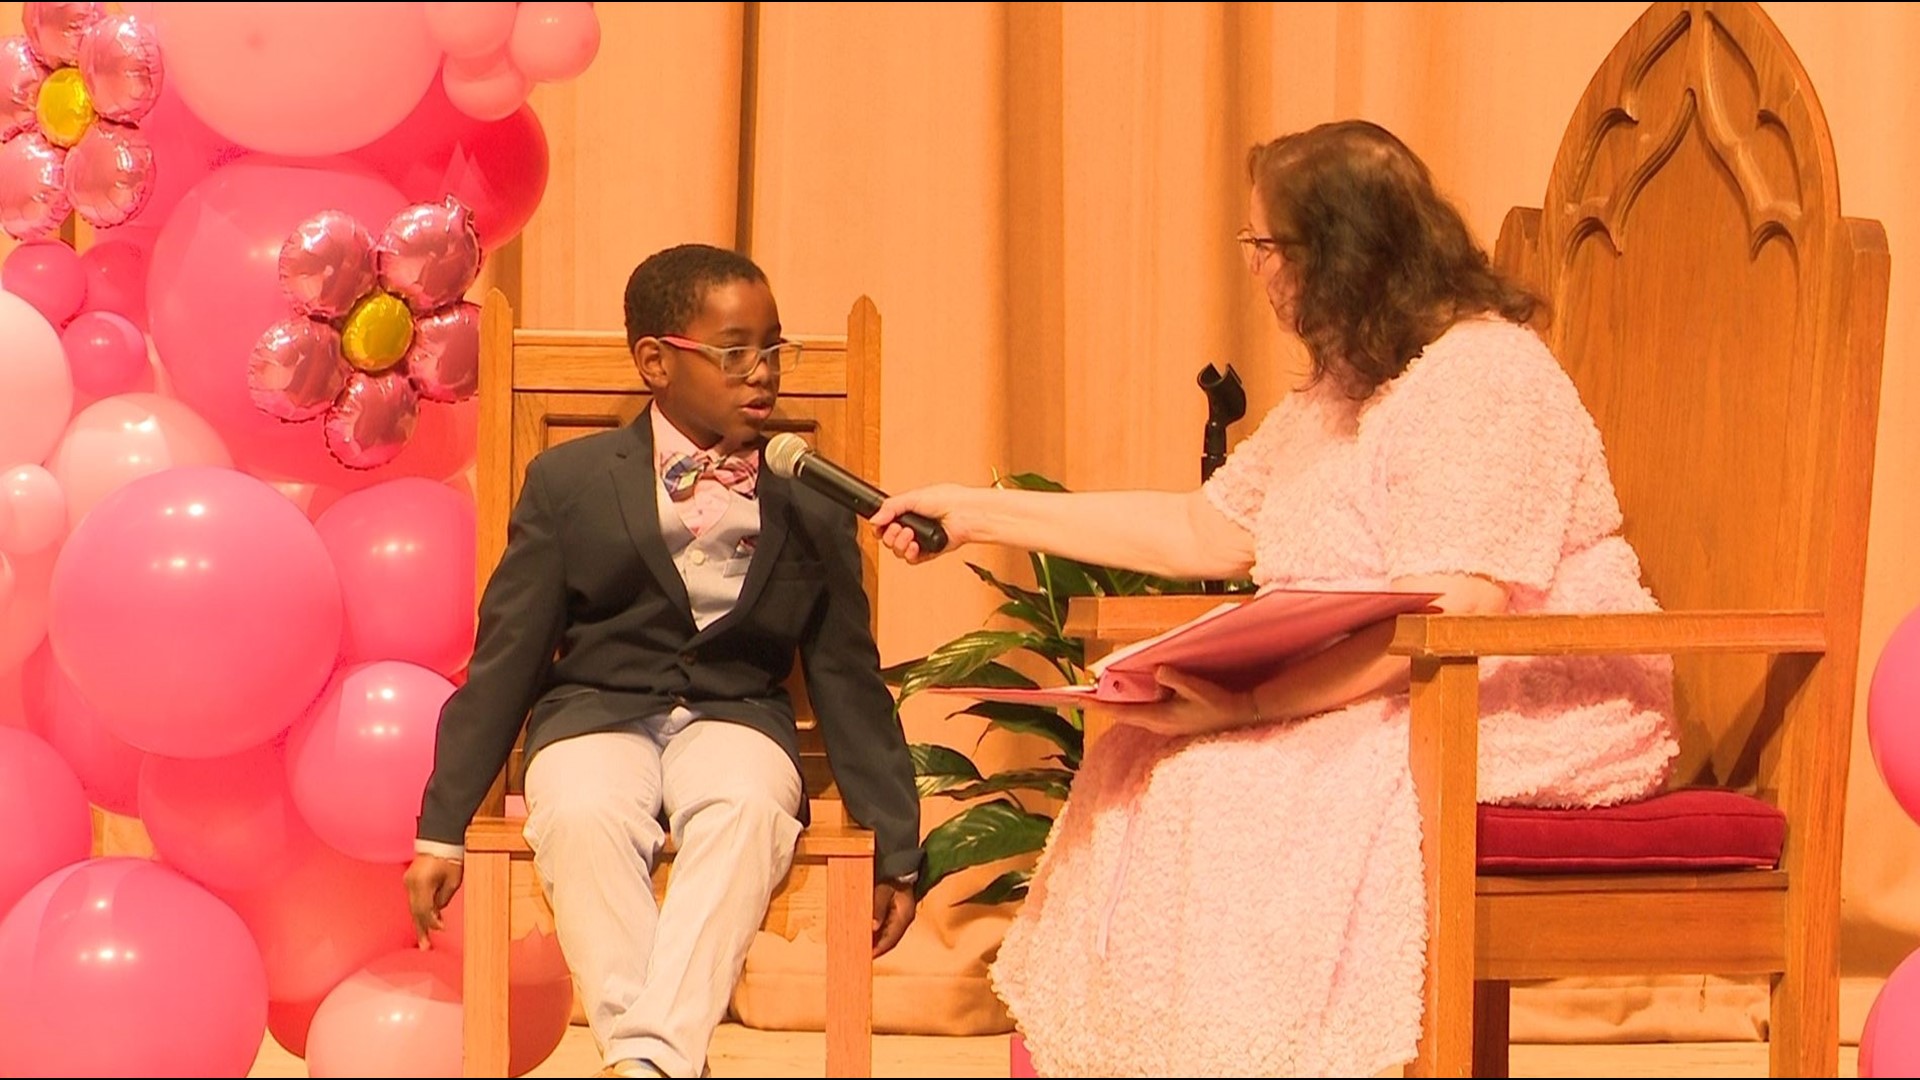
column 585, row 626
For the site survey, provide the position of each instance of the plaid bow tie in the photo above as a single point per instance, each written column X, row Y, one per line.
column 682, row 472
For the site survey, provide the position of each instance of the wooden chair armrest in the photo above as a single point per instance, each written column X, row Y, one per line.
column 1460, row 636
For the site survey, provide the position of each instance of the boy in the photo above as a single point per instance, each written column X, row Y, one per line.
column 674, row 579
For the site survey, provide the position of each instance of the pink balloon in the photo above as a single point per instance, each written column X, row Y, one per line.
column 444, row 360
column 466, row 31
column 38, row 787
column 404, row 551
column 372, row 420
column 327, row 265
column 107, row 353
column 36, row 510
column 197, row 610
column 33, row 187
column 358, row 762
column 227, row 822
column 48, row 275
column 289, row 1022
column 13, row 706
column 1893, row 713
column 321, row 919
column 116, row 273
column 485, row 88
column 185, row 150
column 23, row 622
column 1895, row 1046
column 56, row 31
column 120, row 439
column 430, row 255
column 107, row 768
column 497, row 169
column 120, row 62
column 6, row 581
column 398, row 1016
column 132, row 940
column 297, row 369
column 554, row 42
column 298, row 78
column 36, row 386
column 539, row 987
column 110, row 175
column 214, row 289
column 20, row 77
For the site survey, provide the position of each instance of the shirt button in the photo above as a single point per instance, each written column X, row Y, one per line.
column 697, row 557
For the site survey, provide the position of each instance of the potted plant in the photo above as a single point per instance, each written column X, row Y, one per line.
column 1004, row 826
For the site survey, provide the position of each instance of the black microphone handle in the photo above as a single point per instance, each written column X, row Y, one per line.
column 865, row 499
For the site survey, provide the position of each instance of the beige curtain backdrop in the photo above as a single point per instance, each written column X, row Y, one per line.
column 1041, row 198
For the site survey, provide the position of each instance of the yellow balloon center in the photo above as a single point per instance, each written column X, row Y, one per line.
column 378, row 331
column 65, row 109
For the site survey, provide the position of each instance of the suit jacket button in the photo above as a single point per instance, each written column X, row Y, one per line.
column 688, row 658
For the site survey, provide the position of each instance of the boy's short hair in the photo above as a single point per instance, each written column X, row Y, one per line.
column 666, row 292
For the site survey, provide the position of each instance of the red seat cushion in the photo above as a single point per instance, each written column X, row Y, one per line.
column 1681, row 831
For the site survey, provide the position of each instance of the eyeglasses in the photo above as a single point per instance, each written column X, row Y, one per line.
column 1257, row 249
column 740, row 361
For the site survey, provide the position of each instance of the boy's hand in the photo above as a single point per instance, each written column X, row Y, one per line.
column 893, row 907
column 431, row 883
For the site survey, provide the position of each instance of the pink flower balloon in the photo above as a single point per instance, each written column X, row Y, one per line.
column 133, row 940
column 72, row 97
column 394, row 305
column 197, row 610
column 214, row 291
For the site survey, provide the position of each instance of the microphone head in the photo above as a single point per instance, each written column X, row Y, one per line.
column 783, row 453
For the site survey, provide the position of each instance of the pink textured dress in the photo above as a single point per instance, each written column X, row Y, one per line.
column 1250, row 903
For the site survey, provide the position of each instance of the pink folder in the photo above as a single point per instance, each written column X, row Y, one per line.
column 1237, row 644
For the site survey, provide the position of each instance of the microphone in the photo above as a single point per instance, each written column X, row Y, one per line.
column 789, row 455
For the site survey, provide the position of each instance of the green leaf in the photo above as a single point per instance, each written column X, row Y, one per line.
column 1027, row 481
column 1033, row 608
column 1061, row 579
column 1050, row 782
column 940, row 769
column 1033, row 720
column 962, row 661
column 980, row 835
column 1006, row 888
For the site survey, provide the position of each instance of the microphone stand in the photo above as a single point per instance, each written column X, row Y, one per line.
column 1226, row 403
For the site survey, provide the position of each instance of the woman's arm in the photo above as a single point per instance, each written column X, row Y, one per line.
column 1353, row 670
column 1172, row 534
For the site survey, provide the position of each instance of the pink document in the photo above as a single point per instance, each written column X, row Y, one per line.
column 1237, row 644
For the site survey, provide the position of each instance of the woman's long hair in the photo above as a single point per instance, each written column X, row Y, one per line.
column 1384, row 264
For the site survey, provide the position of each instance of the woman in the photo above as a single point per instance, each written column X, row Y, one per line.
column 1235, row 887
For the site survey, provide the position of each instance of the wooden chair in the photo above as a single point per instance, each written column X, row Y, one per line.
column 1724, row 324
column 539, row 388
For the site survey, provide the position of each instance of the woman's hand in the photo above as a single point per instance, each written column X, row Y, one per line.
column 949, row 504
column 1197, row 707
